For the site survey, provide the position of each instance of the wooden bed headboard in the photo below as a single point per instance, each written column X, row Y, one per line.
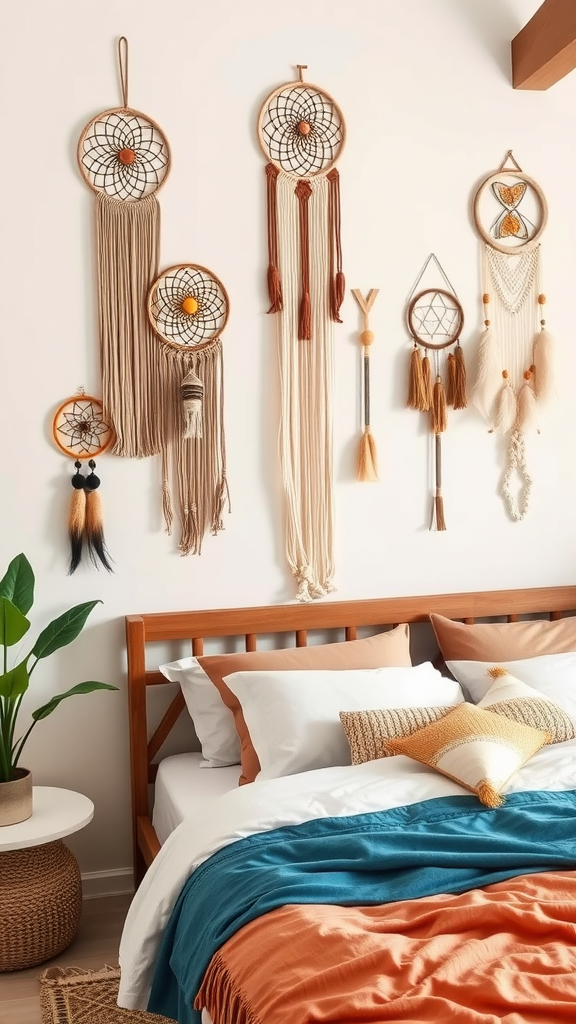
column 293, row 621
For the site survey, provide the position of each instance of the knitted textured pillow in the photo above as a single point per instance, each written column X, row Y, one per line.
column 368, row 731
column 514, row 699
column 477, row 748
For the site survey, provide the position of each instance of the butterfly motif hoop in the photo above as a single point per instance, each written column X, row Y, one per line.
column 435, row 318
column 79, row 428
column 188, row 307
column 499, row 211
column 301, row 129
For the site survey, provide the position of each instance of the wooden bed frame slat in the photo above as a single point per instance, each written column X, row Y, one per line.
column 296, row 619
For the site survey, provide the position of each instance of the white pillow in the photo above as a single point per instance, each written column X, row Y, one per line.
column 553, row 675
column 294, row 717
column 213, row 721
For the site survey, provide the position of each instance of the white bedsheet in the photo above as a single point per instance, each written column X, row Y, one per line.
column 183, row 788
column 354, row 789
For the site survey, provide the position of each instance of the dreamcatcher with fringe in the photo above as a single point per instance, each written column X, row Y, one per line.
column 81, row 432
column 301, row 131
column 436, row 379
column 514, row 377
column 124, row 158
column 188, row 310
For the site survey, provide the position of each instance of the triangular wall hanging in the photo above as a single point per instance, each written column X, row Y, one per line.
column 514, row 376
column 301, row 132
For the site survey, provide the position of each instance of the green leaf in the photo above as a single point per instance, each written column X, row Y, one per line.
column 14, row 682
column 63, row 630
column 18, row 584
column 13, row 624
column 88, row 687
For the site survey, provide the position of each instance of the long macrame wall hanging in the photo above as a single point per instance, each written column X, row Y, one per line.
column 367, row 460
column 188, row 310
column 80, row 431
column 301, row 132
column 436, row 379
column 124, row 157
column 514, row 376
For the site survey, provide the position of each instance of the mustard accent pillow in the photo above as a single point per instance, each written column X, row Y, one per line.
column 479, row 749
column 368, row 731
column 516, row 700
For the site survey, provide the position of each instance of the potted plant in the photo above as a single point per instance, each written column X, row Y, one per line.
column 16, row 600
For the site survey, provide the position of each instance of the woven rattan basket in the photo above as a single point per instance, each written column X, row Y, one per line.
column 40, row 904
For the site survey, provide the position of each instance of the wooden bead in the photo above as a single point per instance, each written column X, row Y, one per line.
column 127, row 157
column 486, row 298
column 304, row 128
column 542, row 300
column 190, row 305
column 505, row 374
column 486, row 323
column 367, row 337
column 527, row 374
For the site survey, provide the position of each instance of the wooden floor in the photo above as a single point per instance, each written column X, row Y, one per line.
column 95, row 945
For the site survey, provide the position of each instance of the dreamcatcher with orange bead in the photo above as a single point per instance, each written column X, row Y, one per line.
column 436, row 378
column 515, row 361
column 80, row 431
column 367, row 462
column 124, row 158
column 188, row 309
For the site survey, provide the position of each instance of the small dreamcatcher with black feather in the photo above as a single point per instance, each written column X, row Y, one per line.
column 81, row 432
column 437, row 378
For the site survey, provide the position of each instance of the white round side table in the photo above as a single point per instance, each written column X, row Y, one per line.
column 40, row 888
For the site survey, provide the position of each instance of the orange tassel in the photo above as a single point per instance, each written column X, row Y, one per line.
column 337, row 281
column 426, row 384
column 416, row 394
column 459, row 401
column 439, row 420
column 303, row 192
column 451, row 385
column 76, row 519
column 274, row 280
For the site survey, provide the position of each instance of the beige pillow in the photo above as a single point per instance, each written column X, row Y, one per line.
column 476, row 748
column 368, row 731
column 384, row 650
column 503, row 641
column 514, row 699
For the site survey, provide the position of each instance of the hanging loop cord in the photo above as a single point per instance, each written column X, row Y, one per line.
column 123, row 69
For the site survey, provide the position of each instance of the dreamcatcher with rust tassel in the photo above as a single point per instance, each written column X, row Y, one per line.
column 437, row 379
column 515, row 372
column 188, row 309
column 81, row 432
column 124, row 157
column 301, row 132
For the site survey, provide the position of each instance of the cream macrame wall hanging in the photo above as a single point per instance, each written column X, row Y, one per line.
column 301, row 132
column 188, row 310
column 81, row 432
column 514, row 377
column 436, row 379
column 124, row 158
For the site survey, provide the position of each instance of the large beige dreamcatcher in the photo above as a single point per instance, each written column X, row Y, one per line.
column 124, row 157
column 514, row 376
column 301, row 132
column 188, row 309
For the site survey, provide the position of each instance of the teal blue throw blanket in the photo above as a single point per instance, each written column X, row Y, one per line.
column 444, row 845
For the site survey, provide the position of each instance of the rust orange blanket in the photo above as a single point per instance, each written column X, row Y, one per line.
column 502, row 953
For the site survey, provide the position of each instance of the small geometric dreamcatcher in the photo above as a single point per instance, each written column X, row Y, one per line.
column 514, row 374
column 81, row 432
column 435, row 320
column 124, row 157
column 301, row 132
column 188, row 309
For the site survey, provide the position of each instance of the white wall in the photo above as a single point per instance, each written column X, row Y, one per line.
column 425, row 89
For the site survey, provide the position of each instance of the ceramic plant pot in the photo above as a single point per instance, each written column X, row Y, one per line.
column 16, row 798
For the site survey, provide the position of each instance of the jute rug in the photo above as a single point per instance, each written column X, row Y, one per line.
column 71, row 995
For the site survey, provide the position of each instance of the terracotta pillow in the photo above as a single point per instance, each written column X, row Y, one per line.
column 385, row 650
column 503, row 641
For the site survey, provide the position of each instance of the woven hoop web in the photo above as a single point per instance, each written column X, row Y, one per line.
column 79, row 427
column 285, row 143
column 124, row 155
column 435, row 318
column 169, row 297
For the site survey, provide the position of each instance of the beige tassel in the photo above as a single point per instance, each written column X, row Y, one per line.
column 527, row 409
column 427, row 384
column 506, row 407
column 489, row 374
column 543, row 366
column 416, row 394
column 439, row 420
column 192, row 393
column 489, row 796
column 459, row 401
column 367, row 463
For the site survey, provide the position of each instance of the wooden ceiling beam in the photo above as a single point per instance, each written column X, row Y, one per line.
column 544, row 51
